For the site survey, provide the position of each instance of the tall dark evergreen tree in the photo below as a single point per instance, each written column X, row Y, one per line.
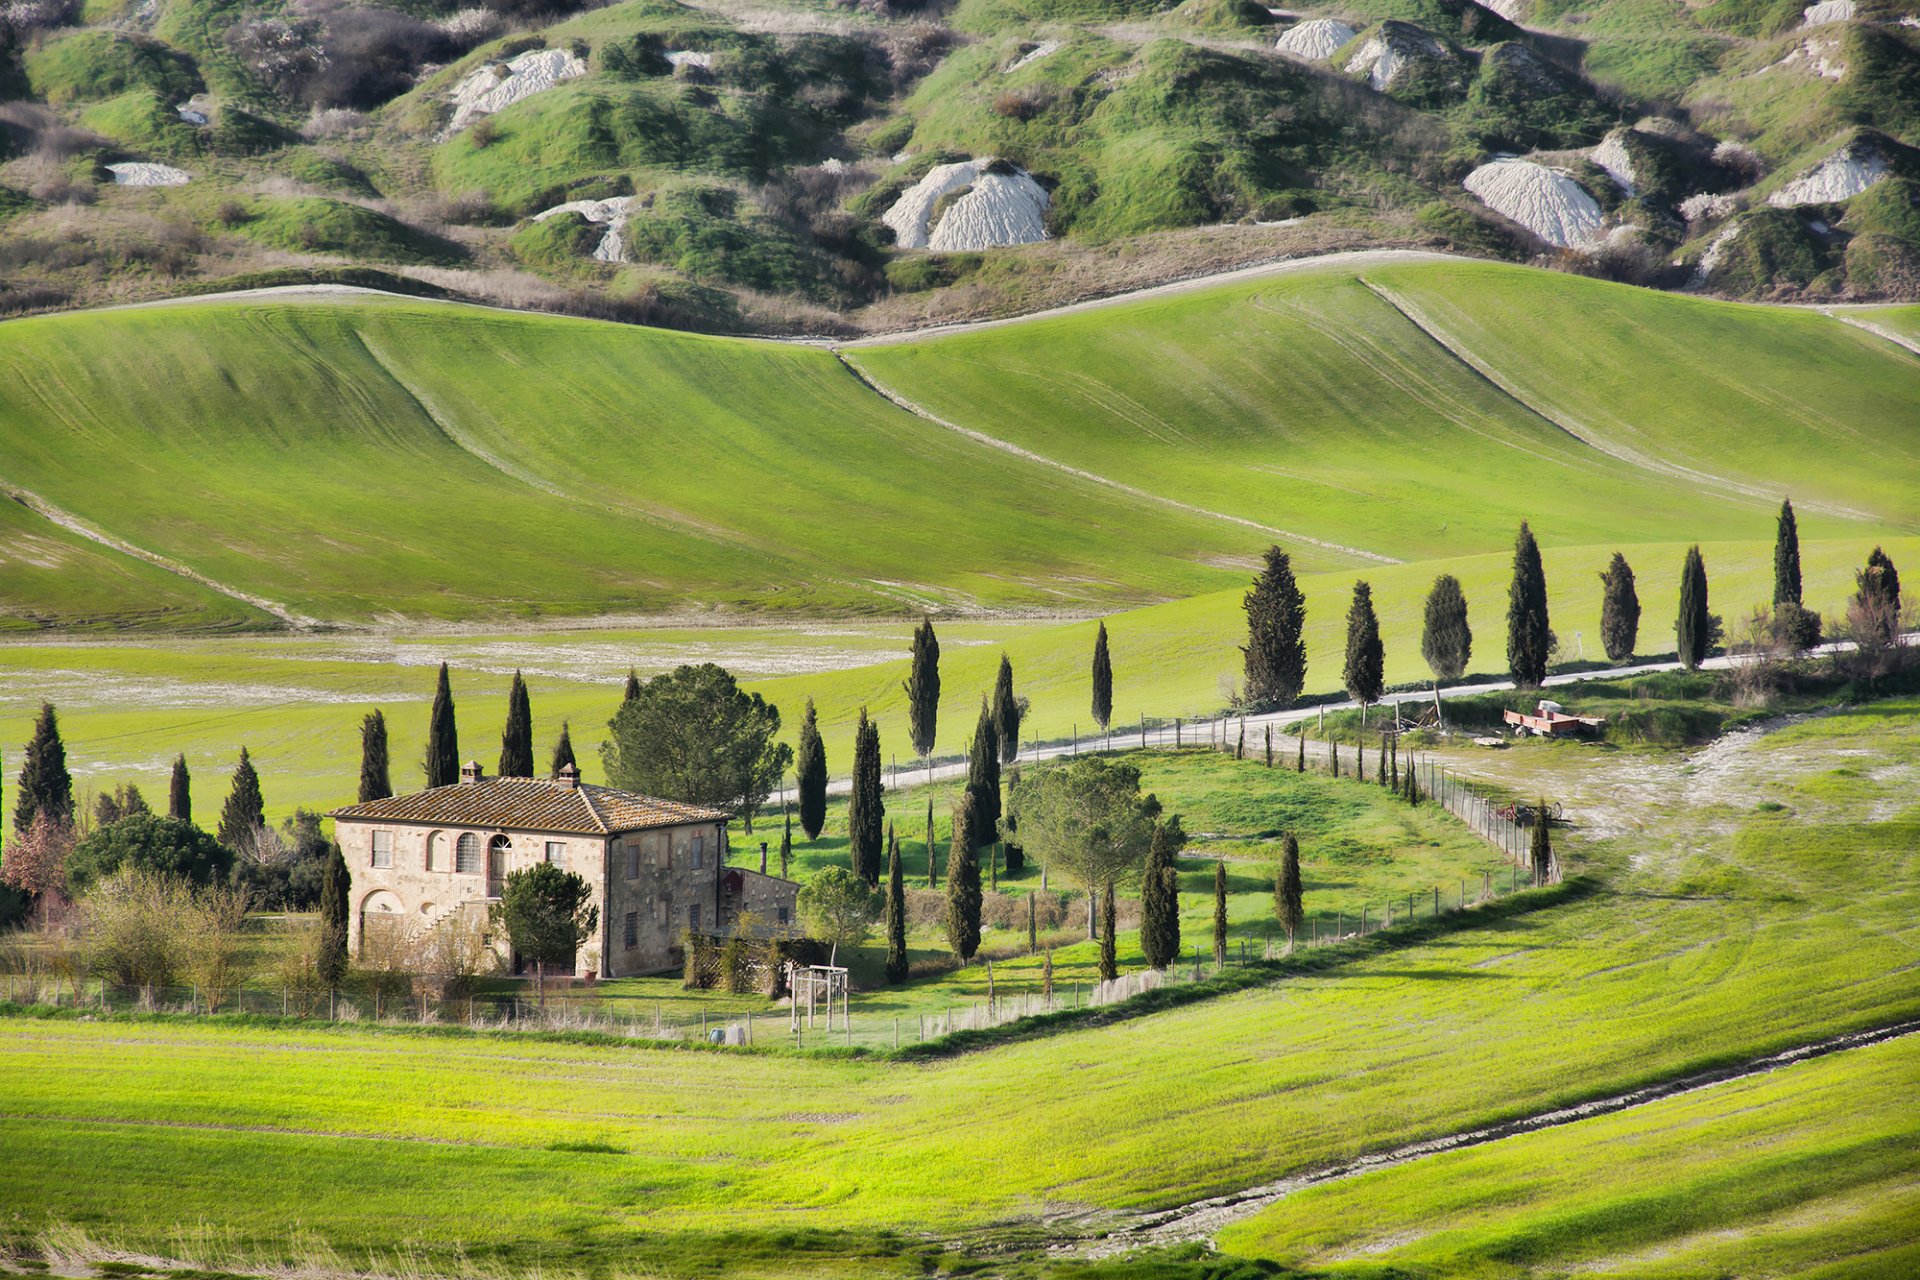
column 896, row 913
column 866, row 809
column 516, row 740
column 933, row 859
column 244, row 812
column 1365, row 671
column 983, row 777
column 1006, row 713
column 963, row 884
column 376, row 782
column 1102, row 680
column 1288, row 899
column 1275, row 653
column 1529, row 635
column 1786, row 556
column 1619, row 609
column 1220, row 912
column 1693, row 629
column 1033, row 927
column 1160, row 894
column 786, row 845
column 336, row 892
column 1540, row 848
column 180, row 792
column 632, row 690
column 563, row 757
column 1879, row 582
column 443, row 739
column 923, row 689
column 45, row 786
column 1109, row 947
column 1300, row 759
column 810, row 775
column 1446, row 640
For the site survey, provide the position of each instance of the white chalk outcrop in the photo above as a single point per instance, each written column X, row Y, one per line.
column 997, row 208
column 1545, row 201
column 1706, row 206
column 1611, row 157
column 1841, row 176
column 1396, row 49
column 1034, row 55
column 1315, row 40
column 1819, row 15
column 497, row 87
column 695, row 58
column 141, row 173
column 611, row 214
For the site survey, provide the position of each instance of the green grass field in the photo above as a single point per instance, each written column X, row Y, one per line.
column 1766, row 904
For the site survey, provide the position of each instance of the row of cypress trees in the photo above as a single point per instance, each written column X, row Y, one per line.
column 442, row 760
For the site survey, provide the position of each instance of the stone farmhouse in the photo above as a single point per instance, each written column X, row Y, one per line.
column 657, row 867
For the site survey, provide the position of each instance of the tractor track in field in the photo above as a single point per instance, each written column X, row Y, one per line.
column 1200, row 1220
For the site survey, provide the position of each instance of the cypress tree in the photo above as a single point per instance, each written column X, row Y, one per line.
column 1619, row 609
column 1380, row 771
column 45, row 786
column 1160, row 895
column 244, row 812
column 1220, row 912
column 1786, row 557
column 963, row 884
column 1365, row 672
column 563, row 751
column 1878, row 585
column 1109, row 959
column 1692, row 627
column 1287, row 896
column 810, row 775
column 786, row 845
column 1413, row 783
column 896, row 913
column 375, row 779
column 443, row 739
column 1033, row 927
column 865, row 807
column 1269, row 746
column 1102, row 680
column 516, row 740
column 1333, row 756
column 983, row 777
column 180, row 791
column 1359, row 756
column 336, row 891
column 1446, row 640
column 632, row 689
column 1541, row 848
column 1529, row 635
column 1006, row 713
column 923, row 689
column 1276, row 652
column 1300, row 763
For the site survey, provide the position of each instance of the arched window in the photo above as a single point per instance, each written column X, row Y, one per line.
column 437, row 851
column 497, row 864
column 466, row 854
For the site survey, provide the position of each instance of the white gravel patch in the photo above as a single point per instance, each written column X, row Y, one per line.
column 609, row 213
column 495, row 88
column 690, row 58
column 141, row 173
column 1545, row 201
column 1841, row 176
column 1000, row 209
column 1315, row 40
column 1611, row 155
column 1819, row 15
column 1034, row 55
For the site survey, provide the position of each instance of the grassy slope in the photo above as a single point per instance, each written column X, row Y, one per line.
column 1738, row 932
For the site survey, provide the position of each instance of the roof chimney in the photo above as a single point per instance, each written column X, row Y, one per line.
column 568, row 779
column 471, row 772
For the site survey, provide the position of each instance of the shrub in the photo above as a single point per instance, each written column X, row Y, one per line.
column 151, row 844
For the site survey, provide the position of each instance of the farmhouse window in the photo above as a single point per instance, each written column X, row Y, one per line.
column 466, row 855
column 693, row 916
column 437, row 851
column 557, row 853
column 783, row 916
column 633, row 862
column 699, row 852
column 631, row 934
column 383, row 848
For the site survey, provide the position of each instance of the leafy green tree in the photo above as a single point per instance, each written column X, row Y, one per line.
column 245, row 812
column 1008, row 712
column 1786, row 556
column 1220, row 912
column 810, row 774
column 376, row 781
column 563, row 757
column 866, row 806
column 546, row 914
column 695, row 736
column 1874, row 611
column 923, row 689
column 1160, row 894
column 1365, row 672
column 1275, row 654
column 180, row 791
column 1693, row 628
column 896, row 914
column 1109, row 945
column 1529, row 635
column 1102, row 680
column 336, row 894
column 148, row 842
column 1288, row 898
column 1446, row 640
column 516, row 740
column 983, row 777
column 443, row 737
column 1619, row 609
column 963, row 883
column 45, row 786
column 1089, row 819
column 837, row 907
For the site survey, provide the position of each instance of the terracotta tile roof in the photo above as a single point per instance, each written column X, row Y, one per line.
column 531, row 804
